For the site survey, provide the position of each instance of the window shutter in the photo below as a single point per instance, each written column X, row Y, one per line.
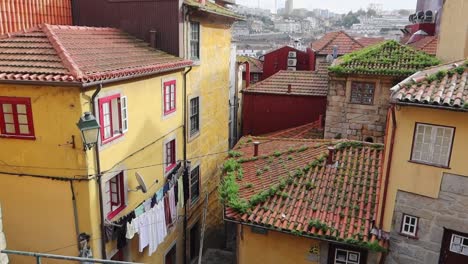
column 106, row 198
column 124, row 113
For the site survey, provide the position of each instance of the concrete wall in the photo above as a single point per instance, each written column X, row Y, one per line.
column 357, row 121
column 453, row 37
column 448, row 210
column 3, row 244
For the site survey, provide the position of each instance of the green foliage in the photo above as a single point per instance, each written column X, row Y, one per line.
column 231, row 165
column 259, row 172
column 248, row 185
column 290, row 157
column 441, row 74
column 460, row 69
column 234, row 154
column 318, row 225
column 276, row 153
column 302, row 149
column 229, row 193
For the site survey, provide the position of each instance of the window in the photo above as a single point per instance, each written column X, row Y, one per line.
column 362, row 93
column 432, row 144
column 195, row 184
column 194, row 40
column 170, row 155
column 409, row 225
column 16, row 117
column 194, row 242
column 343, row 256
column 169, row 97
column 114, row 195
column 459, row 244
column 170, row 257
column 194, row 116
column 255, row 78
column 113, row 116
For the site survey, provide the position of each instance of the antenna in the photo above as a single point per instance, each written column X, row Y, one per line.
column 141, row 184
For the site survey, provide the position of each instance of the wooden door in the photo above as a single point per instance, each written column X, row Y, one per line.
column 454, row 249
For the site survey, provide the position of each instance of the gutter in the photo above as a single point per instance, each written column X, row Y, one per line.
column 440, row 107
column 184, row 129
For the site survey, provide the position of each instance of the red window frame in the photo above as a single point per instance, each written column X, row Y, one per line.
column 170, row 158
column 14, row 101
column 108, row 100
column 169, row 98
column 118, row 181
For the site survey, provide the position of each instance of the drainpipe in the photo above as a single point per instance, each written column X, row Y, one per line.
column 185, row 159
column 75, row 214
column 391, row 113
column 99, row 176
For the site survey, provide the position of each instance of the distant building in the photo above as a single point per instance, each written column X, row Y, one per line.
column 288, row 26
column 287, row 58
column 289, row 6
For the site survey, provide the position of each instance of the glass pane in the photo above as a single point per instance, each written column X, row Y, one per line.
column 107, row 132
column 10, row 128
column 354, row 257
column 22, row 119
column 341, row 255
column 115, row 116
column 7, row 108
column 8, row 118
column 21, row 108
column 24, row 129
column 105, row 108
column 456, row 239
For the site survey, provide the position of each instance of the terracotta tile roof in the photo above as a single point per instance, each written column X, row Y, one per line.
column 79, row 55
column 290, row 187
column 302, row 83
column 387, row 58
column 366, row 41
column 345, row 43
column 427, row 44
column 256, row 65
column 445, row 86
column 213, row 8
column 20, row 15
column 313, row 130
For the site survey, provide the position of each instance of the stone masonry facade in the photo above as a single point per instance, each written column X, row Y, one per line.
column 363, row 122
column 447, row 211
column 3, row 257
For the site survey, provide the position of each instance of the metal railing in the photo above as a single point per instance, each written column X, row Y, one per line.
column 39, row 257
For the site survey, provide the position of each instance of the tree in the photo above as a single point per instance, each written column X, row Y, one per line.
column 350, row 19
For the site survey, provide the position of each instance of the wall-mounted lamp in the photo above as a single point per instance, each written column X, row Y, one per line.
column 89, row 128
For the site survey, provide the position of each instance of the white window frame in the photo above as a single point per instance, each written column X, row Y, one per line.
column 191, row 114
column 431, row 144
column 347, row 260
column 463, row 248
column 124, row 113
column 166, row 169
column 407, row 224
column 193, row 201
column 190, row 40
column 105, row 179
column 119, row 110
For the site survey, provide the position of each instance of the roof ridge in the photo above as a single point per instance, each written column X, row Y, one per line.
column 19, row 33
column 328, row 42
column 63, row 54
column 352, row 38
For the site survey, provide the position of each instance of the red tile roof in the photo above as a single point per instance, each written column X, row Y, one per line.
column 388, row 58
column 79, row 55
column 290, row 187
column 20, row 15
column 427, row 44
column 345, row 43
column 313, row 130
column 302, row 83
column 256, row 65
column 366, row 41
column 444, row 86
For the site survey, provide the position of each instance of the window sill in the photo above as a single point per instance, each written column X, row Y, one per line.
column 109, row 140
column 408, row 236
column 166, row 113
column 168, row 169
column 429, row 164
column 18, row 137
column 115, row 212
column 193, row 136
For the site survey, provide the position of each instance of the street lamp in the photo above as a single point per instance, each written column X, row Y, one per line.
column 89, row 128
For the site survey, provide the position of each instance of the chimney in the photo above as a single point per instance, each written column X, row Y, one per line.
column 289, row 88
column 311, row 54
column 331, row 155
column 335, row 51
column 247, row 74
column 153, row 38
column 256, row 144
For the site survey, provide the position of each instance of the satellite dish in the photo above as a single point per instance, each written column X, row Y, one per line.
column 141, row 184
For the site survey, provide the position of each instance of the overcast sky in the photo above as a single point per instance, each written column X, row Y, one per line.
column 338, row 6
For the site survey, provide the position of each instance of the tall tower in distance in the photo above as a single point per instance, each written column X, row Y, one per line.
column 289, row 6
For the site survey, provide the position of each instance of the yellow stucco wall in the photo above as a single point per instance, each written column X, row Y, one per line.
column 210, row 81
column 453, row 37
column 417, row 178
column 274, row 247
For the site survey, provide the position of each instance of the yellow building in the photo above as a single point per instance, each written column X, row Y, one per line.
column 453, row 37
column 304, row 200
column 51, row 189
column 426, row 173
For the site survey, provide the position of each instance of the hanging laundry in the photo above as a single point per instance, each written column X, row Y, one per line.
column 122, row 230
column 159, row 195
column 132, row 228
column 172, row 205
column 139, row 210
column 143, row 231
column 108, row 233
column 147, row 205
column 167, row 210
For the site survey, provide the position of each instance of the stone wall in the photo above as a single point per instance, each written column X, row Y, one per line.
column 3, row 257
column 356, row 121
column 449, row 211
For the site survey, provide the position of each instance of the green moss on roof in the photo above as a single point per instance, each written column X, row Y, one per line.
column 387, row 58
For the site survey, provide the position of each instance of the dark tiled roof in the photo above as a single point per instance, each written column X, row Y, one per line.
column 256, row 65
column 427, row 44
column 213, row 8
column 311, row 130
column 302, row 83
column 20, row 15
column 444, row 86
column 345, row 43
column 290, row 187
column 387, row 58
column 79, row 54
